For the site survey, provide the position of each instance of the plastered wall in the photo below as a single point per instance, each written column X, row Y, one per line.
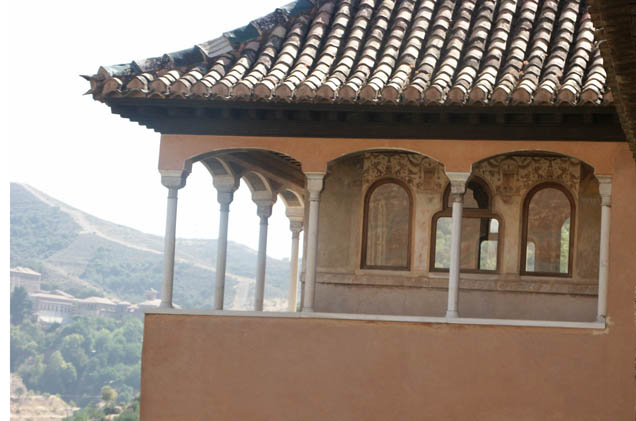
column 343, row 286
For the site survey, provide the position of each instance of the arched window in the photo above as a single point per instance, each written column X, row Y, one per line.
column 480, row 232
column 547, row 237
column 386, row 237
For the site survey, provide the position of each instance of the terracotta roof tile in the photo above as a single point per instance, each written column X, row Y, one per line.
column 475, row 51
column 583, row 46
column 517, row 50
column 385, row 51
column 443, row 78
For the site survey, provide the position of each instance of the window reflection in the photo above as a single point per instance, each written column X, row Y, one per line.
column 480, row 231
column 548, row 212
column 479, row 246
column 387, row 226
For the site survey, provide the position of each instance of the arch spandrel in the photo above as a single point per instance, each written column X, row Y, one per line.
column 418, row 171
column 314, row 154
column 515, row 174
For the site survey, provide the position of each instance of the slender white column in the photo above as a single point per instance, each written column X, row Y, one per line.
column 605, row 189
column 224, row 198
column 264, row 212
column 314, row 186
column 295, row 227
column 458, row 188
column 173, row 180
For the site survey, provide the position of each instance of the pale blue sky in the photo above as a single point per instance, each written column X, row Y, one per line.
column 72, row 148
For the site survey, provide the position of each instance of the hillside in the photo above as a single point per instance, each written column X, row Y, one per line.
column 33, row 407
column 84, row 255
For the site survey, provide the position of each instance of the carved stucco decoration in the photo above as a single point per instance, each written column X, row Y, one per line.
column 420, row 172
column 515, row 175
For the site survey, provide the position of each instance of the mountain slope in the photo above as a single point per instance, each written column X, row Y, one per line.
column 85, row 255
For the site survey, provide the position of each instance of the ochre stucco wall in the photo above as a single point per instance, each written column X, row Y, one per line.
column 176, row 151
column 240, row 368
column 226, row 368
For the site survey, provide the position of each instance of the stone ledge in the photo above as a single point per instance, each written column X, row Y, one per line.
column 470, row 281
column 384, row 318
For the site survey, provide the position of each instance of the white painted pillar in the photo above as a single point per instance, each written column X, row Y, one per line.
column 224, row 198
column 173, row 180
column 605, row 189
column 314, row 187
column 264, row 212
column 458, row 188
column 296, row 226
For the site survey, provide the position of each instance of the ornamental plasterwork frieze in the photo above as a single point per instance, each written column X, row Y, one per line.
column 515, row 175
column 420, row 172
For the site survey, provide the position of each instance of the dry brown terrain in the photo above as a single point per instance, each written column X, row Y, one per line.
column 31, row 407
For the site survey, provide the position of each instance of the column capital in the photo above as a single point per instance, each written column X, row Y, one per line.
column 225, row 183
column 264, row 210
column 458, row 181
column 605, row 189
column 174, row 179
column 264, row 200
column 224, row 199
column 315, row 184
column 295, row 227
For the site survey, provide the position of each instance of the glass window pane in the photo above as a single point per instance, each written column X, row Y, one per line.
column 478, row 246
column 488, row 255
column 530, row 257
column 388, row 226
column 442, row 243
column 549, row 231
column 494, row 226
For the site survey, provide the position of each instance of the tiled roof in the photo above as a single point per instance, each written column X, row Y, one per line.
column 415, row 52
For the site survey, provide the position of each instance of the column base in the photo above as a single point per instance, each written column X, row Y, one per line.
column 452, row 314
column 307, row 310
column 165, row 305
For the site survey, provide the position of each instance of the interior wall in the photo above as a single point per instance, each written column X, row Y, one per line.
column 509, row 180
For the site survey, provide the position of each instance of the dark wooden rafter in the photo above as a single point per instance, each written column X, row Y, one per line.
column 594, row 123
column 616, row 23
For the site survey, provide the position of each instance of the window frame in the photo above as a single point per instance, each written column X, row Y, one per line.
column 365, row 225
column 473, row 213
column 524, row 230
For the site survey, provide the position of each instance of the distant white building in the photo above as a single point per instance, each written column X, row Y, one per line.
column 60, row 307
column 53, row 307
column 25, row 277
column 152, row 301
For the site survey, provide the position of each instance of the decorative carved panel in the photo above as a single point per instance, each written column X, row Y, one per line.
column 417, row 171
column 516, row 175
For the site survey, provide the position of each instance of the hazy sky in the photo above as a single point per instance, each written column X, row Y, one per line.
column 72, row 148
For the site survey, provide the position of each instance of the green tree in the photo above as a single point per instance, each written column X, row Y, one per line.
column 73, row 351
column 32, row 371
column 59, row 375
column 131, row 412
column 109, row 394
column 21, row 305
column 23, row 346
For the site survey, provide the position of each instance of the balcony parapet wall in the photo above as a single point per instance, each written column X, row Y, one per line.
column 219, row 366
